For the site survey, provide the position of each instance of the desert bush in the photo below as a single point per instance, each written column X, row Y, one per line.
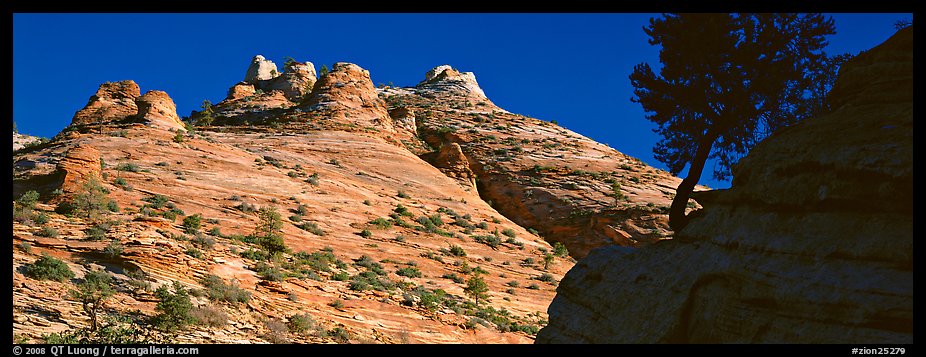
column 209, row 315
column 381, row 223
column 311, row 227
column 173, row 308
column 457, row 251
column 560, row 250
column 92, row 292
column 28, row 199
column 113, row 250
column 276, row 331
column 192, row 223
column 301, row 323
column 47, row 232
column 203, row 242
column 410, row 272
column 217, row 290
column 128, row 166
column 455, row 278
column 49, row 268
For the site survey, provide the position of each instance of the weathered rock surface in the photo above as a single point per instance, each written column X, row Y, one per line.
column 446, row 78
column 568, row 187
column 450, row 160
column 261, row 69
column 79, row 164
column 812, row 244
column 347, row 96
column 296, row 81
column 113, row 102
column 404, row 118
column 156, row 109
column 20, row 140
column 240, row 91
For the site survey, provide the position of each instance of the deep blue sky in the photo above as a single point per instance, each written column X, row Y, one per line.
column 569, row 67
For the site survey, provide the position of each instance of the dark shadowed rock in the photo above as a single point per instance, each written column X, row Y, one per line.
column 812, row 244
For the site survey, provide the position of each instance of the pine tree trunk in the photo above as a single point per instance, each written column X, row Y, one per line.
column 677, row 217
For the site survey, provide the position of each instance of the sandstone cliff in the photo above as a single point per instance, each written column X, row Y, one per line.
column 567, row 187
column 121, row 103
column 434, row 183
column 812, row 244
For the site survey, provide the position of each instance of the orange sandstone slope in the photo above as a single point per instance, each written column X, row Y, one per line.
column 344, row 164
column 566, row 186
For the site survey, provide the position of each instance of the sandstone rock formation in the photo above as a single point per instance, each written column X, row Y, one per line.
column 79, row 164
column 240, row 91
column 446, row 78
column 20, row 140
column 261, row 69
column 564, row 185
column 296, row 81
column 156, row 109
column 404, row 118
column 345, row 169
column 452, row 162
column 113, row 102
column 812, row 244
column 346, row 96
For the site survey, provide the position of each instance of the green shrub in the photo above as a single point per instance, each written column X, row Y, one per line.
column 97, row 231
column 192, row 223
column 47, row 232
column 113, row 250
column 402, row 210
column 455, row 278
column 402, row 194
column 301, row 323
column 381, row 223
column 246, row 207
column 173, row 308
column 49, row 268
column 337, row 304
column 545, row 278
column 560, row 250
column 476, row 288
column 311, row 227
column 156, row 201
column 340, row 276
column 92, row 292
column 119, row 181
column 410, row 272
column 269, row 231
column 217, row 290
column 28, row 199
column 203, row 242
column 457, row 251
column 195, row 253
column 216, row 231
column 489, row 240
column 366, row 233
column 509, row 232
column 340, row 335
column 128, row 166
column 212, row 316
column 25, row 247
column 269, row 272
